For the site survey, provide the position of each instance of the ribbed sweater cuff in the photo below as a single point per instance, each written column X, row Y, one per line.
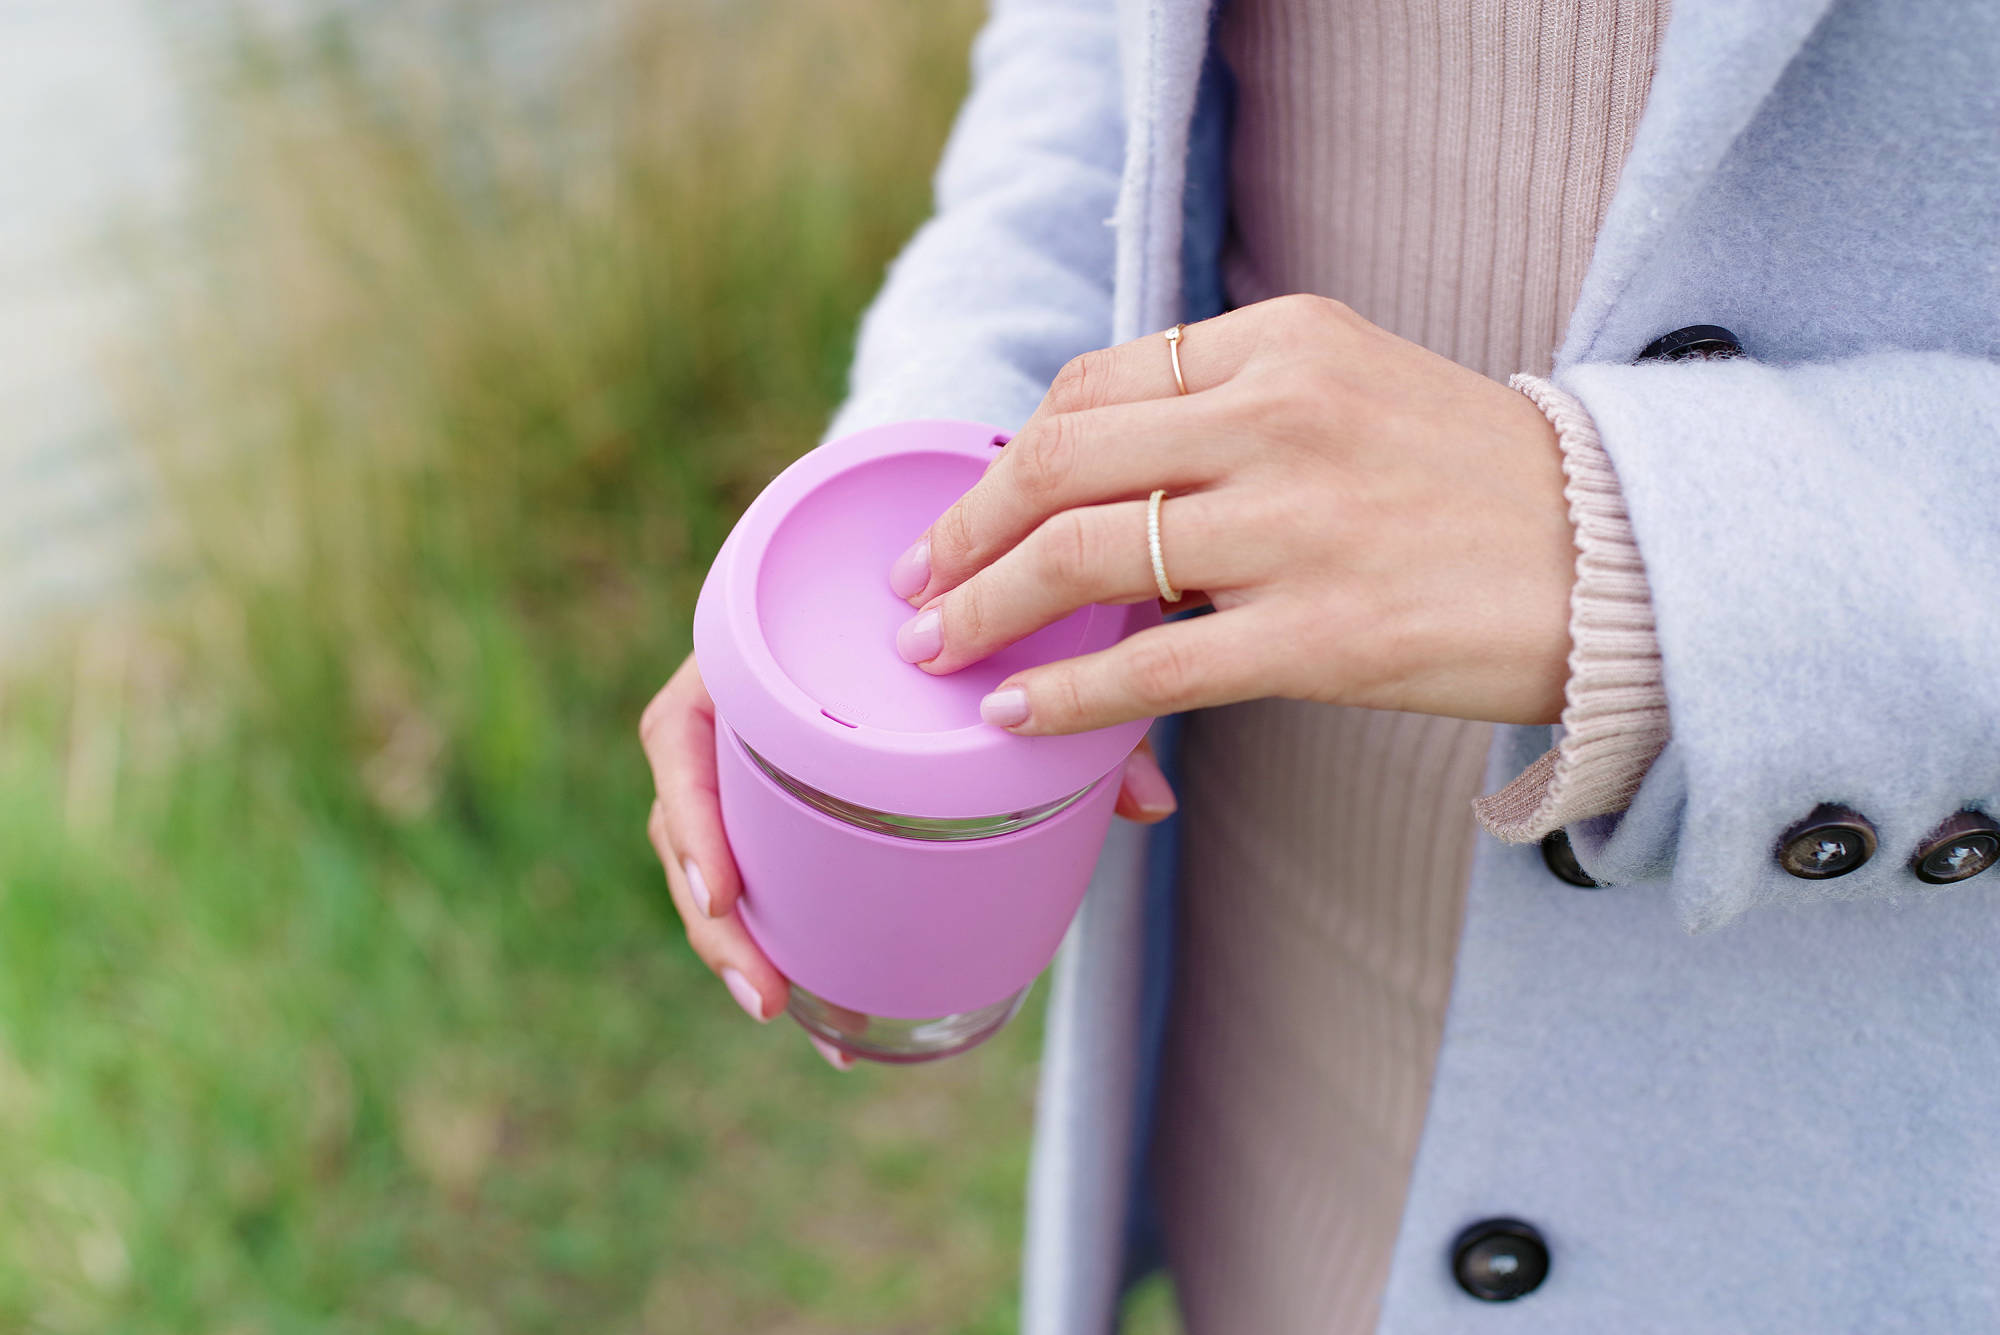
column 1615, row 707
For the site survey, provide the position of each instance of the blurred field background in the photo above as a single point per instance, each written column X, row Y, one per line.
column 339, row 991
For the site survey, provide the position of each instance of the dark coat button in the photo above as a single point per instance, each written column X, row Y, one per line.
column 1696, row 340
column 1831, row 841
column 1499, row 1260
column 1561, row 859
column 1958, row 850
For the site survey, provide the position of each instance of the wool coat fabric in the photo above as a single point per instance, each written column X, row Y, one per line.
column 1731, row 1100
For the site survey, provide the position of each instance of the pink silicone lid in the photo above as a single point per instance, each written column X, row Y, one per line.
column 795, row 632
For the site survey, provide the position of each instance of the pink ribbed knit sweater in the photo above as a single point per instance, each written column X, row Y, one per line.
column 1442, row 166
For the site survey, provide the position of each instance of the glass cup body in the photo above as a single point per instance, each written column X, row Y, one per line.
column 884, row 1038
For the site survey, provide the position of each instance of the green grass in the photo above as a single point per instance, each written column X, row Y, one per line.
column 339, row 991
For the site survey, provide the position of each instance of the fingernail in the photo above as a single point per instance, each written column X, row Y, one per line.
column 835, row 1058
column 697, row 888
column 746, row 996
column 1147, row 787
column 912, row 570
column 920, row 638
column 1005, row 708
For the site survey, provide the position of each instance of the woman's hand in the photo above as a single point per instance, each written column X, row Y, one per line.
column 1373, row 524
column 678, row 733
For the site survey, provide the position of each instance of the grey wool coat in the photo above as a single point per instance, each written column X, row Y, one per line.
column 1730, row 1100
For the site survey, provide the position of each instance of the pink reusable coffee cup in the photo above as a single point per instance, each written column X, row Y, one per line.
column 910, row 868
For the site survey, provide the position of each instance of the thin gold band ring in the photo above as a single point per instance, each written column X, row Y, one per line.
column 1174, row 347
column 1167, row 590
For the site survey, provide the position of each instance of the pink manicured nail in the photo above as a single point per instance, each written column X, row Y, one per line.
column 835, row 1058
column 912, row 570
column 920, row 638
column 1005, row 708
column 1147, row 787
column 697, row 888
column 746, row 996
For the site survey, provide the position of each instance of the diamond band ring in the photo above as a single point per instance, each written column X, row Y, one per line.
column 1167, row 590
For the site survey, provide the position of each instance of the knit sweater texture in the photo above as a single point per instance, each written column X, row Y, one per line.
column 1442, row 167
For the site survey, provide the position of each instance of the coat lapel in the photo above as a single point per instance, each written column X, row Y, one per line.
column 1162, row 44
column 1718, row 62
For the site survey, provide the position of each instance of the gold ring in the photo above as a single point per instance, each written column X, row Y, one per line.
column 1167, row 591
column 1174, row 347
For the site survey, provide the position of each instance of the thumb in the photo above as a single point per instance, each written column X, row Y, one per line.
column 1144, row 794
